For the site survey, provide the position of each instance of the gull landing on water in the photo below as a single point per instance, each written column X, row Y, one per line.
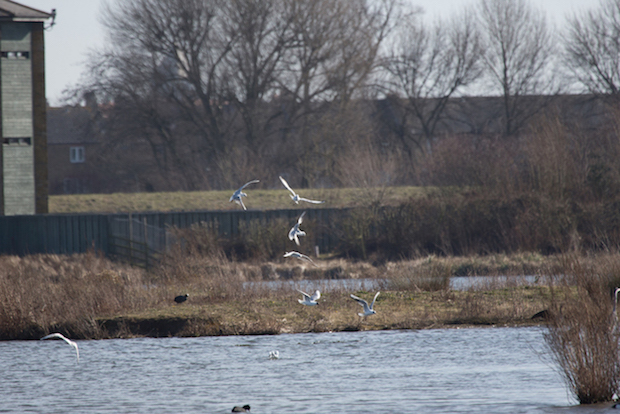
column 368, row 310
column 295, row 197
column 69, row 341
column 237, row 195
column 295, row 233
column 300, row 257
column 309, row 300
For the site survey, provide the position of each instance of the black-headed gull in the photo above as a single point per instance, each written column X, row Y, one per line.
column 295, row 232
column 236, row 197
column 296, row 198
column 69, row 341
column 368, row 310
column 309, row 300
column 300, row 256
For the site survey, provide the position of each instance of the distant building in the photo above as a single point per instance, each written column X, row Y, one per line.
column 74, row 149
column 23, row 153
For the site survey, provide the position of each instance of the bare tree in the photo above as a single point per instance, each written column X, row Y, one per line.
column 334, row 52
column 262, row 35
column 210, row 84
column 592, row 48
column 427, row 66
column 162, row 67
column 519, row 56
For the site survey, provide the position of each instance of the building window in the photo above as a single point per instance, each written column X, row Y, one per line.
column 17, row 141
column 15, row 55
column 76, row 154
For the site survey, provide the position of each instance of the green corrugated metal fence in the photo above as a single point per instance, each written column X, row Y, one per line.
column 76, row 233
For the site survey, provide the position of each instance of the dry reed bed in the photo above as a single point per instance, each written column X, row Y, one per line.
column 89, row 296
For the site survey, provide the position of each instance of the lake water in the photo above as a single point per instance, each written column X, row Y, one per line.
column 492, row 370
column 456, row 283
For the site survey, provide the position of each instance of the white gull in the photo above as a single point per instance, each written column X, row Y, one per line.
column 295, row 197
column 300, row 256
column 368, row 310
column 69, row 341
column 309, row 300
column 295, row 232
column 236, row 197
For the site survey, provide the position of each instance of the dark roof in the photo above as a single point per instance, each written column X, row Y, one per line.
column 12, row 11
column 70, row 125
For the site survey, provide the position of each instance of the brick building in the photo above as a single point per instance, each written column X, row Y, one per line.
column 23, row 153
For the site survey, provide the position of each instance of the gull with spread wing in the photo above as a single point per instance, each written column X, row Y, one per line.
column 237, row 195
column 69, row 341
column 300, row 256
column 309, row 300
column 368, row 310
column 295, row 197
column 295, row 232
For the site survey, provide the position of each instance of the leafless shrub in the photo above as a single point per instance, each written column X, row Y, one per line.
column 582, row 334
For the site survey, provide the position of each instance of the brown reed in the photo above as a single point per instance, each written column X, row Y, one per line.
column 583, row 333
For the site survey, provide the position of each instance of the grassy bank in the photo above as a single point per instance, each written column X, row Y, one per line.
column 258, row 198
column 88, row 296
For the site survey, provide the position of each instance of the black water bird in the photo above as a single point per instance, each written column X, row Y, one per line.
column 244, row 409
column 543, row 314
column 181, row 298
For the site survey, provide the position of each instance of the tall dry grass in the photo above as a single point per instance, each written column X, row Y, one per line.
column 583, row 333
column 53, row 292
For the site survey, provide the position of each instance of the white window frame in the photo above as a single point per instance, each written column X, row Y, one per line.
column 76, row 154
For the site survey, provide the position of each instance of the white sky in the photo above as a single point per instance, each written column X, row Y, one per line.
column 78, row 31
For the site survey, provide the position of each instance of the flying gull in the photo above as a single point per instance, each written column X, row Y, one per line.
column 69, row 341
column 300, row 256
column 296, row 198
column 236, row 197
column 295, row 233
column 309, row 300
column 368, row 310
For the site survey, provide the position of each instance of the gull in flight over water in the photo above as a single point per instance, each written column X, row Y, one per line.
column 300, row 257
column 69, row 341
column 309, row 300
column 295, row 233
column 296, row 198
column 368, row 310
column 236, row 197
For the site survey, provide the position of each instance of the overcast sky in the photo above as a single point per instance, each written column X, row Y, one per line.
column 78, row 30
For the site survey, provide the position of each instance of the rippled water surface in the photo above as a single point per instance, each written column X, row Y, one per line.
column 493, row 370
